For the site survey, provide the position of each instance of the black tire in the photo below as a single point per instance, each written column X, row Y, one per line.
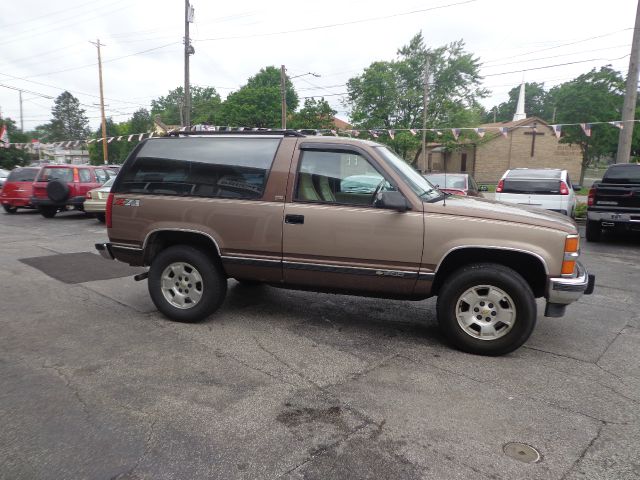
column 101, row 217
column 57, row 191
column 593, row 231
column 503, row 278
column 10, row 209
column 48, row 212
column 213, row 287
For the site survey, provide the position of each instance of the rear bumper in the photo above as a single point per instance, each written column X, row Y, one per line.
column 630, row 219
column 45, row 202
column 95, row 206
column 124, row 253
column 562, row 291
column 104, row 249
column 16, row 202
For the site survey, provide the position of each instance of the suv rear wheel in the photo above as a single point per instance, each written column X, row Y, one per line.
column 486, row 309
column 185, row 284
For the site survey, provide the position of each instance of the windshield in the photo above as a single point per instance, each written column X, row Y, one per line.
column 413, row 179
column 109, row 182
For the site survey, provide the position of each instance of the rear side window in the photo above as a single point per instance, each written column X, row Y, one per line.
column 85, row 175
column 23, row 175
column 56, row 173
column 537, row 187
column 623, row 174
column 203, row 167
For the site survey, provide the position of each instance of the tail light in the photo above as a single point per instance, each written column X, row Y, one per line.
column 76, row 176
column 88, row 195
column 564, row 189
column 591, row 199
column 500, row 186
column 108, row 210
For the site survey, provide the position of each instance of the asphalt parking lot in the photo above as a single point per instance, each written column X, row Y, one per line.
column 95, row 384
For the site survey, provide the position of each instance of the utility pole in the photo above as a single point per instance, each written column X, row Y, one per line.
column 105, row 153
column 188, row 50
column 21, row 121
column 283, row 95
column 424, row 117
column 629, row 106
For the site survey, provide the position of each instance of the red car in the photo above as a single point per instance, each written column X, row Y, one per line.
column 60, row 186
column 455, row 183
column 18, row 189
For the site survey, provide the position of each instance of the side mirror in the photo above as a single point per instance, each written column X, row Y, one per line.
column 576, row 187
column 392, row 201
column 483, row 188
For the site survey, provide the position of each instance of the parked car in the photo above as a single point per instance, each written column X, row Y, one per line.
column 96, row 202
column 3, row 176
column 614, row 203
column 455, row 183
column 18, row 189
column 59, row 187
column 547, row 188
column 270, row 207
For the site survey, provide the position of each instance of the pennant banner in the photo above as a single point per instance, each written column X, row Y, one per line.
column 586, row 128
column 413, row 132
column 392, row 134
column 557, row 129
column 455, row 132
column 620, row 125
column 504, row 131
column 479, row 131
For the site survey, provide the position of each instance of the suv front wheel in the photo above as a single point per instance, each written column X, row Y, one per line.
column 185, row 284
column 486, row 309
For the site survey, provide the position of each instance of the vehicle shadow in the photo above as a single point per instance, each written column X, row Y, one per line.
column 323, row 315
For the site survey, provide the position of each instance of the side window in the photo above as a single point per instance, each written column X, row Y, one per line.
column 85, row 175
column 101, row 175
column 226, row 167
column 337, row 177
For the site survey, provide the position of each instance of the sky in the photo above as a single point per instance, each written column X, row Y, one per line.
column 45, row 46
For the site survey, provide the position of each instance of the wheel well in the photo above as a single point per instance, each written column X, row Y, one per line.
column 158, row 241
column 529, row 266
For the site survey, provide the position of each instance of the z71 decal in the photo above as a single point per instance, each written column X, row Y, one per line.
column 127, row 202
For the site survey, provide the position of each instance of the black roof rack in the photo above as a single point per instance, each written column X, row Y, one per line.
column 262, row 131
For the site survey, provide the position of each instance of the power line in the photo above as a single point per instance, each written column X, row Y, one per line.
column 557, row 65
column 342, row 24
column 47, row 15
column 556, row 56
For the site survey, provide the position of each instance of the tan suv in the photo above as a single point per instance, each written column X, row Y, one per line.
column 335, row 215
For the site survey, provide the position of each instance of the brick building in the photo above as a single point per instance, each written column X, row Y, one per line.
column 488, row 158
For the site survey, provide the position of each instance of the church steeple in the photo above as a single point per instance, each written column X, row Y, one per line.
column 520, row 115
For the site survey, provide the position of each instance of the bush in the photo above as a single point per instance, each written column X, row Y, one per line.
column 581, row 210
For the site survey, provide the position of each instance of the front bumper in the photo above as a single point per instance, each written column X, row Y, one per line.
column 561, row 291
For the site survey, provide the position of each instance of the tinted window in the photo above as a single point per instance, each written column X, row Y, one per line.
column 538, row 187
column 531, row 173
column 101, row 175
column 84, row 175
column 337, row 177
column 207, row 167
column 55, row 173
column 23, row 175
column 623, row 174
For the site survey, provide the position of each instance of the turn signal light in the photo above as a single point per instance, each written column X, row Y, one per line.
column 568, row 266
column 572, row 244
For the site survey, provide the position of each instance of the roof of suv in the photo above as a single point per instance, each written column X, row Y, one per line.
column 540, row 173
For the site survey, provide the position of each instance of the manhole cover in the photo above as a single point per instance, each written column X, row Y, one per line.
column 521, row 451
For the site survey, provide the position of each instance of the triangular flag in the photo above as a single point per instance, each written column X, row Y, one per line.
column 4, row 136
column 392, row 134
column 557, row 129
column 373, row 133
column 150, row 134
column 119, row 138
column 110, row 139
column 334, row 133
column 413, row 132
column 586, row 128
column 355, row 132
column 77, row 142
column 130, row 137
column 140, row 136
column 504, row 131
column 620, row 125
column 455, row 132
column 439, row 133
column 479, row 131
column 91, row 140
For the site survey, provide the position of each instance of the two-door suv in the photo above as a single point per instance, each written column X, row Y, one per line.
column 303, row 212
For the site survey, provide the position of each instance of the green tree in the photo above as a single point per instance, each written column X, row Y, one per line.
column 11, row 157
column 316, row 114
column 596, row 96
column 258, row 103
column 535, row 104
column 69, row 121
column 205, row 106
column 389, row 94
column 140, row 122
column 117, row 151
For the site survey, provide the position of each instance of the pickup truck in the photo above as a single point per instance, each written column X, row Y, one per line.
column 614, row 202
column 338, row 215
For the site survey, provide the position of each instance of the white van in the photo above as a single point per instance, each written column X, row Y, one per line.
column 547, row 188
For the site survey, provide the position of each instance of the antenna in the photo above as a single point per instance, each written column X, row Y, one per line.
column 444, row 162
